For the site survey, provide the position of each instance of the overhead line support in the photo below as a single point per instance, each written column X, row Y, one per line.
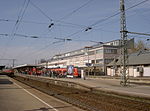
column 124, row 54
column 135, row 33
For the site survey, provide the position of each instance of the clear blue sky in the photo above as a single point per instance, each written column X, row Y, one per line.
column 34, row 23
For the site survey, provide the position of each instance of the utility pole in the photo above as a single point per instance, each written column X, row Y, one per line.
column 13, row 61
column 124, row 53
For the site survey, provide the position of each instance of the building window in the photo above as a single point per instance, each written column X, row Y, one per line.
column 107, row 61
column 112, row 43
column 82, row 50
column 68, row 54
column 99, row 60
column 93, row 61
column 110, row 51
column 99, row 51
column 91, row 53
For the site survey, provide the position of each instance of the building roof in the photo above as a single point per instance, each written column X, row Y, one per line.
column 82, row 50
column 24, row 65
column 139, row 58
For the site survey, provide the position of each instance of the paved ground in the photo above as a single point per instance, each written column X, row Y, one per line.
column 15, row 96
column 113, row 85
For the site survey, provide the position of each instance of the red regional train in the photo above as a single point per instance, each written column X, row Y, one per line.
column 9, row 72
column 69, row 71
column 72, row 72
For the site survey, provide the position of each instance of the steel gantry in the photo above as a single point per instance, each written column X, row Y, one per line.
column 124, row 53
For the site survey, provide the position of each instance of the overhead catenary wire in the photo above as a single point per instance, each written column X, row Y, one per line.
column 51, row 19
column 109, row 17
column 39, row 37
column 41, row 11
column 73, row 34
column 74, row 11
column 38, row 51
column 27, row 36
column 110, row 22
column 16, row 26
column 136, row 36
column 60, row 41
column 20, row 16
column 71, row 25
column 46, row 46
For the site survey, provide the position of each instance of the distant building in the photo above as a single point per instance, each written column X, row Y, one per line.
column 138, row 65
column 98, row 56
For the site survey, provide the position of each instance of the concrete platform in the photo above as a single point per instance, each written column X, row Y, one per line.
column 16, row 96
column 112, row 85
column 104, row 84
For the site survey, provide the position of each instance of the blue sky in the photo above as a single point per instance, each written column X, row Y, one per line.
column 29, row 50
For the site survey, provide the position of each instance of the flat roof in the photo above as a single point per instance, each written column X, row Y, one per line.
column 24, row 65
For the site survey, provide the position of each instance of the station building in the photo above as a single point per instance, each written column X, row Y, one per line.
column 95, row 57
column 138, row 65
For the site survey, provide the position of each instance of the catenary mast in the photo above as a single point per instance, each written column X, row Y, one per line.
column 124, row 53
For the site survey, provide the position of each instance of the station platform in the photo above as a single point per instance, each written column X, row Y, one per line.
column 111, row 85
column 105, row 84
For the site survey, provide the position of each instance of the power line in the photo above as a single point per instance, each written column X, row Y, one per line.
column 36, row 22
column 137, row 4
column 39, row 37
column 56, row 42
column 74, row 11
column 39, row 50
column 75, row 33
column 73, row 25
column 110, row 22
column 135, row 36
column 38, row 8
column 41, row 11
column 107, row 18
column 27, row 36
column 46, row 46
column 20, row 17
column 16, row 26
column 60, row 40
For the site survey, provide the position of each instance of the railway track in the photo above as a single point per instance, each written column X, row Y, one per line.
column 90, row 100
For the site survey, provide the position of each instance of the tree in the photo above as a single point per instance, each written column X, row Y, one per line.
column 139, row 45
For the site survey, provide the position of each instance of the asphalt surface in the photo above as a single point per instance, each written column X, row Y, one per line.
column 15, row 96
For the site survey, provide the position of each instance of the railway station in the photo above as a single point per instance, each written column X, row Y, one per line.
column 74, row 55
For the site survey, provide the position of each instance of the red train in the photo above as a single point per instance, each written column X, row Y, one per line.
column 9, row 72
column 69, row 71
column 66, row 72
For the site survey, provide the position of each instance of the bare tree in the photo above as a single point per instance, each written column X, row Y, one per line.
column 139, row 45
